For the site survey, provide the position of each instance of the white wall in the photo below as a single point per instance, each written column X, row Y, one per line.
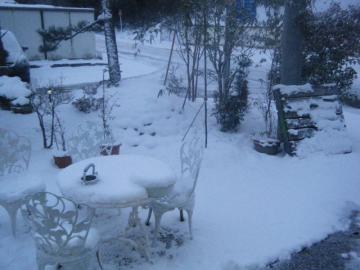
column 24, row 23
column 83, row 44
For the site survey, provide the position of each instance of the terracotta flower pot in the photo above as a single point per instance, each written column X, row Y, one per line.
column 106, row 150
column 62, row 161
column 267, row 146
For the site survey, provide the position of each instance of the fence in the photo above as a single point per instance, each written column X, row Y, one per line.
column 25, row 20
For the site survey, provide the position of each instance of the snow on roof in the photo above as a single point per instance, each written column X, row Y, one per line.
column 11, row 4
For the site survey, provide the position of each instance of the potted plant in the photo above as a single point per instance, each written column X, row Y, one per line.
column 265, row 144
column 62, row 158
column 266, row 141
column 109, row 146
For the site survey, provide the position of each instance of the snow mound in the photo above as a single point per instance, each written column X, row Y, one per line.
column 328, row 141
column 12, row 46
column 331, row 136
column 13, row 88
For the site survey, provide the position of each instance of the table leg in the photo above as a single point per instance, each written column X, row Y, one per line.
column 134, row 221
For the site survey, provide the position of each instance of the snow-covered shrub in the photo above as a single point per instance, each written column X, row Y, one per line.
column 175, row 84
column 13, row 92
column 90, row 101
column 352, row 96
column 230, row 109
column 332, row 46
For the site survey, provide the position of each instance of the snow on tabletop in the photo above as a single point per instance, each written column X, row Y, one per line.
column 13, row 88
column 19, row 186
column 294, row 89
column 122, row 179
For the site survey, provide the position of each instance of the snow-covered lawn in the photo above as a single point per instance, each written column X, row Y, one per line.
column 250, row 208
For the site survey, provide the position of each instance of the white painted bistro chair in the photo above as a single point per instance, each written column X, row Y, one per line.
column 182, row 195
column 62, row 232
column 15, row 184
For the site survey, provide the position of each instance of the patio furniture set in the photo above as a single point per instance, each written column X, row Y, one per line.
column 62, row 226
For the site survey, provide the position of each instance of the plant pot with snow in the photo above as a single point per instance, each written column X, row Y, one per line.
column 110, row 149
column 266, row 145
column 62, row 159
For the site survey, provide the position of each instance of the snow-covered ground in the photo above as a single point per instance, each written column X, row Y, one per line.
column 69, row 76
column 250, row 208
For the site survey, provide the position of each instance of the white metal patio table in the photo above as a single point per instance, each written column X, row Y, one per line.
column 124, row 181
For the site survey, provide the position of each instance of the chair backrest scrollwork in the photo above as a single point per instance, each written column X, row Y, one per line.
column 15, row 152
column 191, row 154
column 86, row 141
column 60, row 225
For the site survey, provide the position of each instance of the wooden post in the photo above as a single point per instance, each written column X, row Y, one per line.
column 205, row 78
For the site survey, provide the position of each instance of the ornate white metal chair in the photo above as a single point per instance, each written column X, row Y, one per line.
column 85, row 142
column 62, row 232
column 183, row 193
column 15, row 184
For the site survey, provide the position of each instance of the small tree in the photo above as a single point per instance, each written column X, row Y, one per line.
column 189, row 30
column 231, row 111
column 332, row 46
column 45, row 102
column 229, row 48
column 273, row 29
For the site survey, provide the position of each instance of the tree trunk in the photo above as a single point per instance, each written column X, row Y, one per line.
column 292, row 43
column 227, row 52
column 111, row 47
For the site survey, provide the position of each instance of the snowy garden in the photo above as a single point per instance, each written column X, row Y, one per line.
column 101, row 158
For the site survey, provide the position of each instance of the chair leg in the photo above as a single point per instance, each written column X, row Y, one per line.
column 158, row 216
column 147, row 223
column 12, row 210
column 189, row 213
column 182, row 219
column 99, row 260
column 41, row 264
